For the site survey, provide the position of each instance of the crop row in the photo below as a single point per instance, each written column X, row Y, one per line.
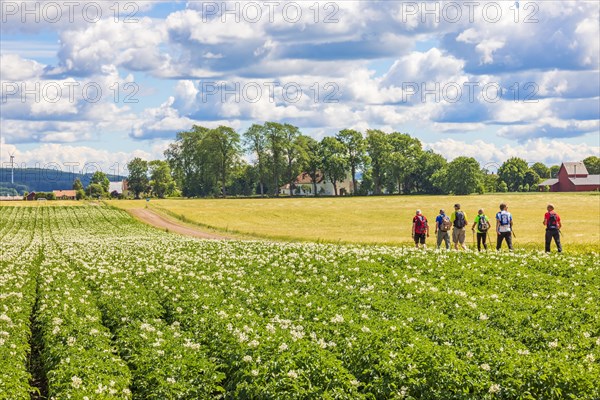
column 450, row 331
column 19, row 264
column 202, row 319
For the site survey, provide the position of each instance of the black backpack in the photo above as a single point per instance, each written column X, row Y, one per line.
column 459, row 220
column 552, row 223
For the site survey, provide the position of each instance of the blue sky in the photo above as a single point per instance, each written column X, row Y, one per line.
column 498, row 80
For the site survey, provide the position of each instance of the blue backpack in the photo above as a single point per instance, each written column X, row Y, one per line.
column 504, row 218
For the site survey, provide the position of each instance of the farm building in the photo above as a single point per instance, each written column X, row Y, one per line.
column 304, row 186
column 65, row 194
column 30, row 196
column 572, row 177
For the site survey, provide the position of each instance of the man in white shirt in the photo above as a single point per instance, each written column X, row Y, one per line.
column 504, row 225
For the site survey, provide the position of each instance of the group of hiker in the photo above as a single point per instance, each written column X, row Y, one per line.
column 457, row 222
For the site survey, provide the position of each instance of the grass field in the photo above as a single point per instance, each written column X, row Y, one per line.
column 383, row 220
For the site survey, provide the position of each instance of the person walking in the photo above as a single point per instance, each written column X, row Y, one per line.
column 553, row 225
column 442, row 226
column 483, row 224
column 459, row 221
column 504, row 224
column 420, row 229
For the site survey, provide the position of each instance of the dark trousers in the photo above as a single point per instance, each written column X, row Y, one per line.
column 501, row 237
column 550, row 234
column 481, row 238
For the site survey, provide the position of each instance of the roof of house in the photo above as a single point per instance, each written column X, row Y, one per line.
column 549, row 182
column 588, row 180
column 574, row 168
column 65, row 193
column 305, row 179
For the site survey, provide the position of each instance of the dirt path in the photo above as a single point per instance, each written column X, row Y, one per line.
column 158, row 221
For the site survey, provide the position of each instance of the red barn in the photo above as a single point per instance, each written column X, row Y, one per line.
column 572, row 177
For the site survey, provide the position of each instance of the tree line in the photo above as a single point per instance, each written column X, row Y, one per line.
column 205, row 162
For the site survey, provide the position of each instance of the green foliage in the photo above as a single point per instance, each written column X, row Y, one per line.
column 5, row 191
column 379, row 150
column 295, row 156
column 490, row 182
column 403, row 161
column 207, row 162
column 554, row 171
column 512, row 172
column 95, row 190
column 355, row 149
column 192, row 170
column 592, row 164
column 44, row 195
column 221, row 148
column 237, row 319
column 313, row 162
column 101, row 179
column 256, row 144
column 531, row 179
column 541, row 169
column 502, row 187
column 275, row 139
column 77, row 185
column 462, row 175
column 243, row 180
column 335, row 164
column 161, row 181
column 421, row 179
column 137, row 181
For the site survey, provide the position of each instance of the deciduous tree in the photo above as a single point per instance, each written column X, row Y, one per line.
column 379, row 150
column 101, row 179
column 256, row 143
column 463, row 176
column 355, row 149
column 592, row 164
column 335, row 165
column 161, row 181
column 513, row 171
column 137, row 180
column 313, row 162
column 541, row 170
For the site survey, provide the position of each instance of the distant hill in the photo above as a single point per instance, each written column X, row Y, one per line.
column 42, row 180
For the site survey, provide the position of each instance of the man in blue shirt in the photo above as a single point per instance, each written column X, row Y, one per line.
column 504, row 225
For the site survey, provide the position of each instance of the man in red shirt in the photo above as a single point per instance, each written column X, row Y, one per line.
column 553, row 225
column 420, row 229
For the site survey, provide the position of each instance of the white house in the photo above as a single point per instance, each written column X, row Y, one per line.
column 119, row 187
column 304, row 186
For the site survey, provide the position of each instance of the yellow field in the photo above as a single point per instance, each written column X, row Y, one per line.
column 384, row 220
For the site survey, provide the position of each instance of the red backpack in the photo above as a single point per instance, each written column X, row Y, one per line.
column 420, row 224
